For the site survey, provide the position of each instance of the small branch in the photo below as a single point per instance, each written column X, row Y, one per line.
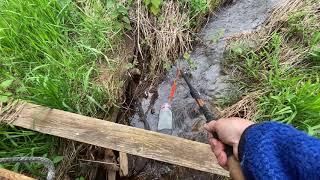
column 100, row 162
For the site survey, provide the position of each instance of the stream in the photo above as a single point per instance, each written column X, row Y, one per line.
column 207, row 77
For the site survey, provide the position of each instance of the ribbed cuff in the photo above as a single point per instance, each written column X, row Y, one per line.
column 243, row 141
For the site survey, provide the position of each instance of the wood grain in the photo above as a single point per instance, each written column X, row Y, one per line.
column 119, row 137
column 10, row 175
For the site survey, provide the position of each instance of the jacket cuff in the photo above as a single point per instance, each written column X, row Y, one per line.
column 243, row 141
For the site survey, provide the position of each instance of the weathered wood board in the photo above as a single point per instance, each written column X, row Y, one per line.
column 10, row 175
column 119, row 137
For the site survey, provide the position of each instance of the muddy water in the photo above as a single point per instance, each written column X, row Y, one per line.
column 232, row 20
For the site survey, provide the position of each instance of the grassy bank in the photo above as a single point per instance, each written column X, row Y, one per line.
column 52, row 53
column 277, row 68
column 64, row 54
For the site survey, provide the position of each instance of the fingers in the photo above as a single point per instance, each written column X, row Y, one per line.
column 210, row 135
column 217, row 146
column 218, row 149
column 210, row 127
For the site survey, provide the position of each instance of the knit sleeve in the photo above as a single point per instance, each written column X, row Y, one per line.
column 273, row 150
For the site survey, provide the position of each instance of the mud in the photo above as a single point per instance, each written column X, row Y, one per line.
column 208, row 78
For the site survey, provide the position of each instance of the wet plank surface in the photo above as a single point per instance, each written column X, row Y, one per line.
column 119, row 137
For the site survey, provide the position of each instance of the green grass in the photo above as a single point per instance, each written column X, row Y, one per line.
column 52, row 49
column 294, row 100
column 50, row 53
column 291, row 89
column 198, row 9
column 18, row 142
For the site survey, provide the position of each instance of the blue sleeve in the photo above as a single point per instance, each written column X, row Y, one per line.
column 273, row 150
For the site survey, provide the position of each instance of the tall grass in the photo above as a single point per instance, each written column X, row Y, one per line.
column 51, row 49
column 286, row 69
column 198, row 9
column 51, row 53
column 18, row 142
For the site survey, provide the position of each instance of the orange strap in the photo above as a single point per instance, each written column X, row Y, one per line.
column 174, row 87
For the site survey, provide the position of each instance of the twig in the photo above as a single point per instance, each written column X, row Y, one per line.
column 100, row 162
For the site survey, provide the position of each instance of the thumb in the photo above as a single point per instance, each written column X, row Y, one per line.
column 210, row 127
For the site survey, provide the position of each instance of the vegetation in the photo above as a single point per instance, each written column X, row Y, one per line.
column 51, row 54
column 61, row 54
column 282, row 68
column 51, row 50
column 18, row 142
column 197, row 9
column 168, row 33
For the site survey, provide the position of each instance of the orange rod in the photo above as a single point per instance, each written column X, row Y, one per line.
column 174, row 87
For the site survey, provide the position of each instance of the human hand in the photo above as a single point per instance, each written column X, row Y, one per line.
column 229, row 131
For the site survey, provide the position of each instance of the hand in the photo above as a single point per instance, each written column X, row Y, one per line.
column 229, row 131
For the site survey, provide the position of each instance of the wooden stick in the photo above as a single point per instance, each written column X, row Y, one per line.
column 119, row 137
column 109, row 155
column 123, row 161
column 110, row 158
column 10, row 175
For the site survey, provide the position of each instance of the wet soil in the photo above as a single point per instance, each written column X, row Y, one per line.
column 207, row 76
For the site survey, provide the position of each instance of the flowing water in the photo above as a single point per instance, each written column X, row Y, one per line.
column 208, row 78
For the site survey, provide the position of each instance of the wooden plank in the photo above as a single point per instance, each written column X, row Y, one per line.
column 10, row 175
column 123, row 162
column 119, row 137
